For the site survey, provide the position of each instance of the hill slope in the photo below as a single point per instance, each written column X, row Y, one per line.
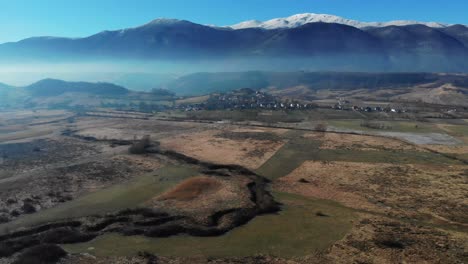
column 52, row 87
column 202, row 83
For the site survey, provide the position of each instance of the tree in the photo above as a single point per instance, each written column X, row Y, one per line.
column 140, row 146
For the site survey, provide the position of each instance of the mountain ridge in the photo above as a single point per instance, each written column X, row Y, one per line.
column 301, row 19
column 310, row 46
column 54, row 87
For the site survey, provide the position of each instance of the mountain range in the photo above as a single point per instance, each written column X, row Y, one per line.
column 301, row 42
column 302, row 19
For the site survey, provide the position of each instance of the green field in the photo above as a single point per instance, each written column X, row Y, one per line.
column 395, row 126
column 118, row 197
column 289, row 157
column 299, row 149
column 24, row 134
column 265, row 116
column 457, row 130
column 295, row 231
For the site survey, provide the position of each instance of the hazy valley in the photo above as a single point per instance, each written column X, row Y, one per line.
column 306, row 139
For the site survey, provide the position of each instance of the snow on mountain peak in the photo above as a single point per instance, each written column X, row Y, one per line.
column 301, row 19
column 165, row 21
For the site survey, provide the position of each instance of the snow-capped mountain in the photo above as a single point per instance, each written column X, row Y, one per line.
column 301, row 19
column 305, row 41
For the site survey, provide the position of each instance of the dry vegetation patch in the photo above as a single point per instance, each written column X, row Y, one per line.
column 192, row 189
column 60, row 181
column 457, row 149
column 129, row 129
column 381, row 240
column 239, row 149
column 202, row 196
column 359, row 142
column 426, row 192
column 325, row 180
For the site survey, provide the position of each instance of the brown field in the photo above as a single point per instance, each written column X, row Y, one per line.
column 459, row 149
column 359, row 142
column 206, row 146
column 427, row 192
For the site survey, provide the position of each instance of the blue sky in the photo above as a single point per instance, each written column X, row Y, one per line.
column 76, row 18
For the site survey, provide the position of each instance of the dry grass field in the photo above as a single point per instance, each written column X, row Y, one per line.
column 344, row 197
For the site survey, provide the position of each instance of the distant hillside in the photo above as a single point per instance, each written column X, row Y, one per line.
column 59, row 94
column 52, row 87
column 4, row 86
column 4, row 91
column 203, row 83
column 446, row 94
column 459, row 32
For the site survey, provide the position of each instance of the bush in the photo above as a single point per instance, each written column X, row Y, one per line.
column 321, row 127
column 321, row 214
column 28, row 208
column 65, row 235
column 375, row 125
column 41, row 254
column 10, row 247
column 15, row 213
column 139, row 147
column 389, row 242
column 4, row 218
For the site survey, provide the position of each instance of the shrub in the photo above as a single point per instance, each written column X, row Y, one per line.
column 15, row 213
column 321, row 127
column 10, row 247
column 321, row 214
column 65, row 235
column 375, row 125
column 4, row 218
column 28, row 208
column 139, row 147
column 41, row 254
column 390, row 243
